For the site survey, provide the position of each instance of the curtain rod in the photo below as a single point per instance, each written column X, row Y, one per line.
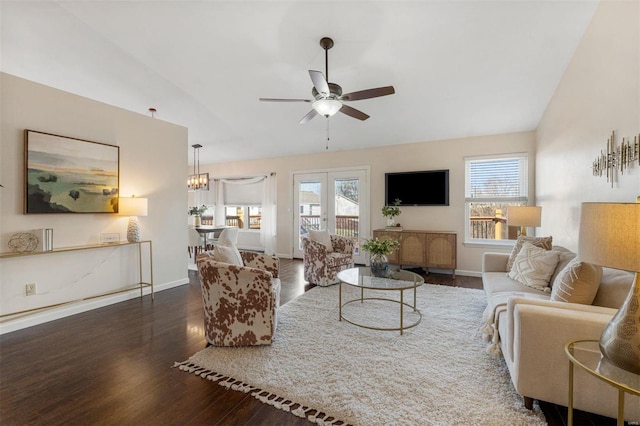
column 244, row 177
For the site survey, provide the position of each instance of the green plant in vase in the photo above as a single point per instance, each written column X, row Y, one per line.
column 197, row 212
column 379, row 250
column 390, row 212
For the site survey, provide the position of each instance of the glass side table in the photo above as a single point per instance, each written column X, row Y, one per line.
column 589, row 358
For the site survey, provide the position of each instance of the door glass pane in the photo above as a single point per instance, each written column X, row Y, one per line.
column 309, row 208
column 347, row 209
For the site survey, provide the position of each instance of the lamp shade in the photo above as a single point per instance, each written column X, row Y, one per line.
column 327, row 107
column 132, row 206
column 524, row 215
column 610, row 235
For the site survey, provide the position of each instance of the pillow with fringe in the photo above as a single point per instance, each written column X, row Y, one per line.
column 544, row 242
column 534, row 266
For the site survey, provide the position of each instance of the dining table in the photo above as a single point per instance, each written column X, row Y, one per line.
column 205, row 230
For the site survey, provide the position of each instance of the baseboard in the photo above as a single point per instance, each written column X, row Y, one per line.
column 468, row 273
column 51, row 314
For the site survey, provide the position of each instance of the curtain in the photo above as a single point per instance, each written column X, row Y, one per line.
column 251, row 191
column 268, row 224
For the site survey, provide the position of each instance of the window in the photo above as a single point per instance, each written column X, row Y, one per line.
column 492, row 184
column 244, row 217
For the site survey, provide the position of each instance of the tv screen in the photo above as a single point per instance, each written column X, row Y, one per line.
column 424, row 188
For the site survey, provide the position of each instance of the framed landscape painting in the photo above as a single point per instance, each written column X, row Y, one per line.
column 68, row 175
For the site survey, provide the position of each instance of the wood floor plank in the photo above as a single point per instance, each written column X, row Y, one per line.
column 113, row 366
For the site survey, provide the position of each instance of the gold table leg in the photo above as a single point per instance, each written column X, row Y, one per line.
column 570, row 405
column 620, row 407
column 340, row 302
column 401, row 311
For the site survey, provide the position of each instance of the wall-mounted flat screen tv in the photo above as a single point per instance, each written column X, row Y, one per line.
column 423, row 188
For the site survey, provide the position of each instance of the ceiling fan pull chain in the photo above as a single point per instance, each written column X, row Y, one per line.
column 327, row 145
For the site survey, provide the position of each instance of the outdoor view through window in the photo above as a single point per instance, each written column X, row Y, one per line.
column 491, row 186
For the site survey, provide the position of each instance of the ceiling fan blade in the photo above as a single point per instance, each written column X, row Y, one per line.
column 368, row 94
column 352, row 112
column 319, row 82
column 309, row 116
column 284, row 100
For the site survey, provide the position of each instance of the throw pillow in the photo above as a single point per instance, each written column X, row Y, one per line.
column 227, row 254
column 321, row 237
column 544, row 242
column 578, row 282
column 534, row 266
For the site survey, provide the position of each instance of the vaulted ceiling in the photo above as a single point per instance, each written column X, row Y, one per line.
column 459, row 68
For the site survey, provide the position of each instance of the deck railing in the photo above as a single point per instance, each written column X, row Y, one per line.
column 346, row 226
column 492, row 228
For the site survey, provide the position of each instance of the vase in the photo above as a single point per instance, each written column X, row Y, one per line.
column 379, row 265
column 196, row 221
column 391, row 222
column 620, row 340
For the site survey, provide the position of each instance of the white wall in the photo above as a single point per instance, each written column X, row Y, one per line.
column 447, row 154
column 599, row 92
column 152, row 164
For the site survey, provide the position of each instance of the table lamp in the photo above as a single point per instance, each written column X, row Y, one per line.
column 133, row 207
column 524, row 216
column 610, row 237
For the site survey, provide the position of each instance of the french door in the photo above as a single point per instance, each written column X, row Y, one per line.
column 336, row 200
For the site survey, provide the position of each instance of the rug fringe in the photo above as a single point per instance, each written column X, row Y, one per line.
column 265, row 397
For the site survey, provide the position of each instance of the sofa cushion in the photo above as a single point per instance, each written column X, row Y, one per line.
column 534, row 266
column 322, row 237
column 227, row 254
column 499, row 282
column 544, row 242
column 564, row 257
column 614, row 288
column 578, row 282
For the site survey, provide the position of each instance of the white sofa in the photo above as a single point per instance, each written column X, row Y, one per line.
column 530, row 332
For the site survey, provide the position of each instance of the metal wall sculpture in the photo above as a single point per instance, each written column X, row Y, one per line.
column 617, row 158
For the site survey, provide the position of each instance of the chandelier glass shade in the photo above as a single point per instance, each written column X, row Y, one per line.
column 197, row 181
column 327, row 107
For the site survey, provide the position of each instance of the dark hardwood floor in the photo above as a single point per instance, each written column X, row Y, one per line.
column 112, row 366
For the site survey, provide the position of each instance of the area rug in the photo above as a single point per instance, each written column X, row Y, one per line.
column 332, row 372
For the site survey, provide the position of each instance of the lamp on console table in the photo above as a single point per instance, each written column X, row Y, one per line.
column 524, row 216
column 610, row 237
column 133, row 207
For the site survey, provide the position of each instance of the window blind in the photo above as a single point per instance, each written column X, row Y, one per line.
column 502, row 179
column 243, row 194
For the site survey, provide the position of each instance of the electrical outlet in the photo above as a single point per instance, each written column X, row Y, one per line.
column 30, row 289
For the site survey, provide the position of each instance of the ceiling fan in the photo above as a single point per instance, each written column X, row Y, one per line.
column 328, row 97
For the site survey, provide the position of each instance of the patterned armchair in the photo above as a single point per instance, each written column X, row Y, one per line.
column 320, row 265
column 240, row 302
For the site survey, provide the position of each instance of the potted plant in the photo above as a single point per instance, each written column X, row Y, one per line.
column 197, row 213
column 379, row 250
column 390, row 212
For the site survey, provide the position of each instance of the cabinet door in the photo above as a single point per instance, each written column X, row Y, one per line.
column 441, row 249
column 384, row 235
column 412, row 249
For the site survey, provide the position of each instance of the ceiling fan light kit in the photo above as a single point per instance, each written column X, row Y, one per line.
column 327, row 107
column 328, row 98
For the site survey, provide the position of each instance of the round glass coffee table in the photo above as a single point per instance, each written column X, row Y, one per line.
column 397, row 280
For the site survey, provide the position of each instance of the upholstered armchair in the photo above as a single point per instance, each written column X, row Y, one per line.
column 321, row 264
column 240, row 302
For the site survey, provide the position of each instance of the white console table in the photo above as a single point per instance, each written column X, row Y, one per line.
column 141, row 284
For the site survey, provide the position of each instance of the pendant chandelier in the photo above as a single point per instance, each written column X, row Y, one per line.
column 197, row 181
